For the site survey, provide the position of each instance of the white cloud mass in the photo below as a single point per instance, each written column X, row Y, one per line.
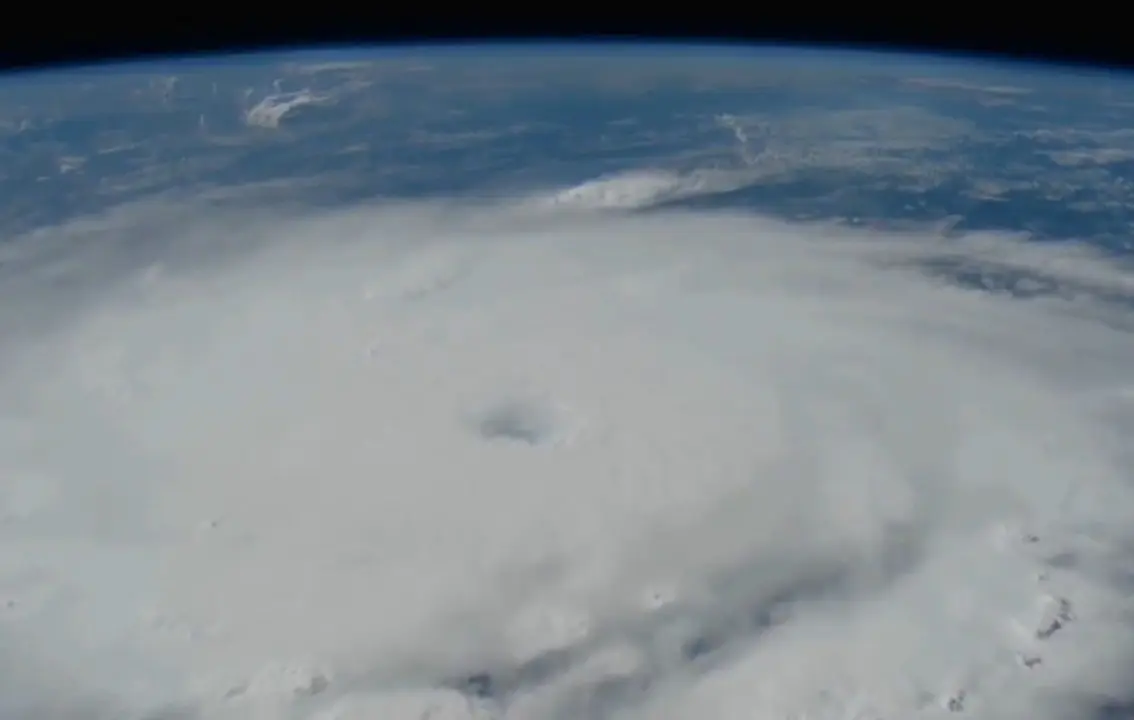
column 532, row 461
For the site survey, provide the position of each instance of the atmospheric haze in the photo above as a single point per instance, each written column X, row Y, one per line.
column 560, row 461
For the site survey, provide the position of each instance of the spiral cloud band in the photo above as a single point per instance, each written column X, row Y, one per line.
column 555, row 460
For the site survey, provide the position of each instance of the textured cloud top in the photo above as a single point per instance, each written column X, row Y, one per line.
column 547, row 459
